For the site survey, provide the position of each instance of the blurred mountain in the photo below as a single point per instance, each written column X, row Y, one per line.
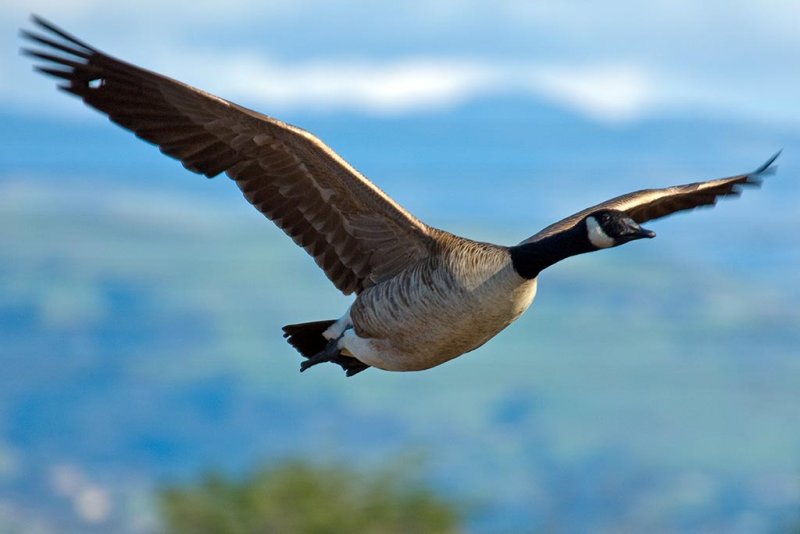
column 653, row 386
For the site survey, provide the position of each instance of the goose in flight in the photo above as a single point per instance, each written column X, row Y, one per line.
column 423, row 296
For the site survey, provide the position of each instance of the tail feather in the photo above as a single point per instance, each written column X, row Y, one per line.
column 307, row 338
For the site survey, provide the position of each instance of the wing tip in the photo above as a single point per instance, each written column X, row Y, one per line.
column 767, row 167
column 49, row 27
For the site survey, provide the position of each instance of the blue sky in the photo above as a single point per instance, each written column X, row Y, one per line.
column 614, row 61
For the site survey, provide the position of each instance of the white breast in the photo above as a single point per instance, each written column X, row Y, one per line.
column 438, row 310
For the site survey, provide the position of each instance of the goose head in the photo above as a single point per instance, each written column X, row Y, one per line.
column 610, row 228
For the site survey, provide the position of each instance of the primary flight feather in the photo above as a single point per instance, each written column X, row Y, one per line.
column 424, row 296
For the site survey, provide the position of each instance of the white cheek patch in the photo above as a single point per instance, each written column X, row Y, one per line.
column 597, row 236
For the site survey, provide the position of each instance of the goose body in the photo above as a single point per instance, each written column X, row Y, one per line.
column 437, row 309
column 423, row 296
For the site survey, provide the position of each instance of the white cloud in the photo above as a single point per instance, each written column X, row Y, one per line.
column 605, row 92
column 378, row 87
column 93, row 504
column 614, row 92
column 615, row 61
column 602, row 92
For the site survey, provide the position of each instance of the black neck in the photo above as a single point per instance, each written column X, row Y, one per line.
column 532, row 258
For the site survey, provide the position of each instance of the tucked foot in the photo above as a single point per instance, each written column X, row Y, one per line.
column 309, row 340
column 328, row 354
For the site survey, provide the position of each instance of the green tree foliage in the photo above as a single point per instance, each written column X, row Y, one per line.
column 296, row 497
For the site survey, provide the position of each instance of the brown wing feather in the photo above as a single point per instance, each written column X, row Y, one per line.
column 649, row 204
column 354, row 231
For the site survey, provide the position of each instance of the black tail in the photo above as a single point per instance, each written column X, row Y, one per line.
column 308, row 340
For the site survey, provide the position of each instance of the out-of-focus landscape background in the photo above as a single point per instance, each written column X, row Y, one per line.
column 656, row 386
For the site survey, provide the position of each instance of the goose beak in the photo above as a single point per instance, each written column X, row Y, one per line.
column 634, row 231
column 644, row 232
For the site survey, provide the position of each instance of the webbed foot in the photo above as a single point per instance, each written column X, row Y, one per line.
column 329, row 353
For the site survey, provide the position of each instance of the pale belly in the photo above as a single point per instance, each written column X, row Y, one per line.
column 433, row 324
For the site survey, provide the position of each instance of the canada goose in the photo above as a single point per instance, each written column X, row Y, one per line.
column 423, row 295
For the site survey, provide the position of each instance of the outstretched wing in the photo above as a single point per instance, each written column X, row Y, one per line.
column 650, row 204
column 355, row 232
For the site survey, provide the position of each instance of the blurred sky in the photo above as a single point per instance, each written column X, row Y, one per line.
column 612, row 61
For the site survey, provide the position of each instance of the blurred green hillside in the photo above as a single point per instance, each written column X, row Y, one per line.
column 302, row 498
